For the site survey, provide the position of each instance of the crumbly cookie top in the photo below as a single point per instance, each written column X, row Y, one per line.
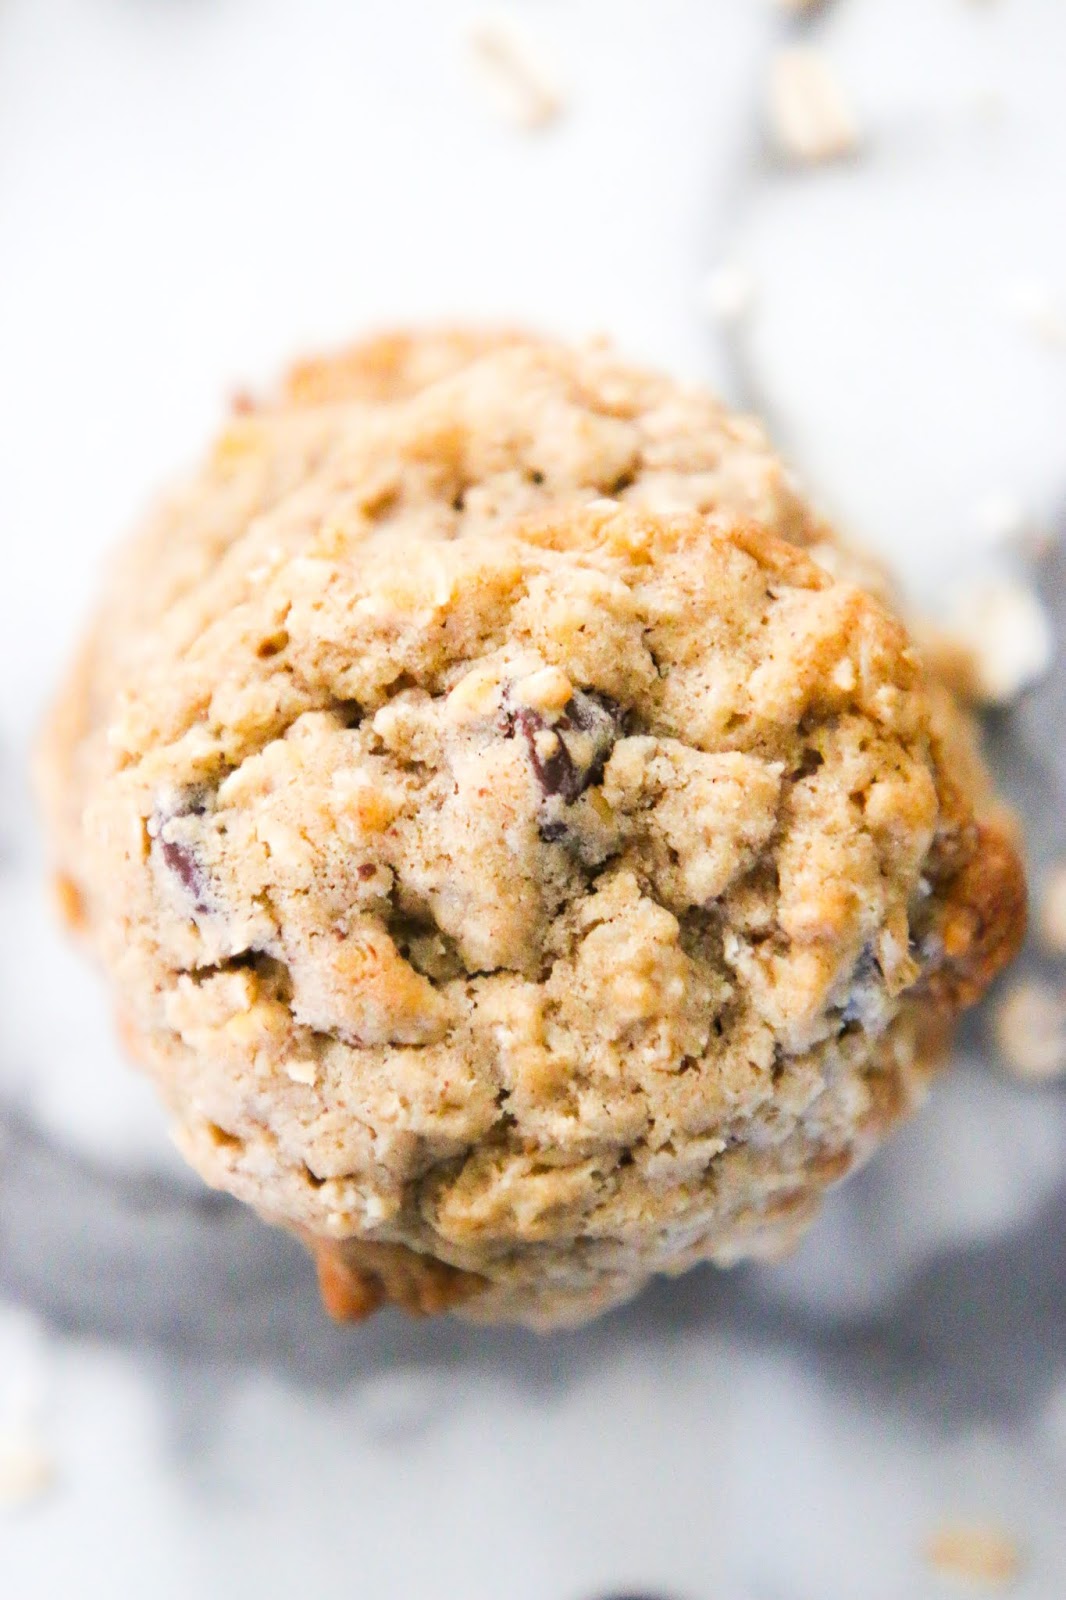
column 482, row 733
column 430, row 433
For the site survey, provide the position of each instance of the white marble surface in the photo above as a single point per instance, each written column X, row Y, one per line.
column 190, row 190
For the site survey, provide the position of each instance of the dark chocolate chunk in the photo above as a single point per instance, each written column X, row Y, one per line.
column 185, row 866
column 809, row 763
column 555, row 772
column 585, row 733
column 179, row 855
column 552, row 830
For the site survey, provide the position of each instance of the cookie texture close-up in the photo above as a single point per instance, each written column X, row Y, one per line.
column 526, row 850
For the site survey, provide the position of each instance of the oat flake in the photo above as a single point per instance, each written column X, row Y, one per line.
column 26, row 1469
column 729, row 292
column 520, row 84
column 1002, row 623
column 1030, row 1025
column 1051, row 923
column 810, row 117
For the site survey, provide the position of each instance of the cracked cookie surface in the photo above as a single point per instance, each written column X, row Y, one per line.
column 521, row 866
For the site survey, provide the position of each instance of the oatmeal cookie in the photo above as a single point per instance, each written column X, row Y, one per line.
column 524, row 857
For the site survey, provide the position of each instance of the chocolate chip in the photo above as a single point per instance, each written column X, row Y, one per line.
column 553, row 830
column 597, row 714
column 555, row 770
column 584, row 734
column 179, row 855
column 183, row 863
column 809, row 763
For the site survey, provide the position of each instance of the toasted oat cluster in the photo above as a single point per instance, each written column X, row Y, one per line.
column 524, row 857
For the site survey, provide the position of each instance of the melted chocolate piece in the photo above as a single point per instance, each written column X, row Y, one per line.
column 178, row 855
column 186, row 867
column 584, row 735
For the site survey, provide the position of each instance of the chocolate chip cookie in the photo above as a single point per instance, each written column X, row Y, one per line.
column 524, row 851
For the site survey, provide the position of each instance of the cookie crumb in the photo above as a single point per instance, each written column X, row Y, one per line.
column 519, row 82
column 728, row 293
column 1030, row 1027
column 811, row 120
column 26, row 1469
column 1051, row 922
column 1003, row 625
column 1033, row 304
column 977, row 1553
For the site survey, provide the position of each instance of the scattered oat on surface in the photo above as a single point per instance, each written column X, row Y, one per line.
column 1002, row 521
column 1051, row 921
column 519, row 81
column 1003, row 624
column 1033, row 303
column 1030, row 1029
column 26, row 1469
column 728, row 292
column 811, row 119
column 974, row 1552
